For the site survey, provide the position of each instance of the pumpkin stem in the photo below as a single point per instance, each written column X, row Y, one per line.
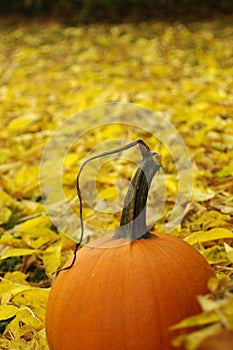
column 133, row 219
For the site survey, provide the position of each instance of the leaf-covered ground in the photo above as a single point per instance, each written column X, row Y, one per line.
column 49, row 72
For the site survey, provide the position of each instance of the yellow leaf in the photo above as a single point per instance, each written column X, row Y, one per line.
column 30, row 208
column 9, row 253
column 7, row 311
column 8, row 240
column 5, row 199
column 108, row 194
column 25, row 322
column 197, row 320
column 25, row 181
column 7, row 286
column 215, row 254
column 229, row 251
column 5, row 215
column 193, row 339
column 207, row 304
column 17, row 277
column 216, row 284
column 38, row 342
column 5, row 298
column 71, row 159
column 35, row 298
column 28, row 317
column 36, row 232
column 38, row 237
column 52, row 259
column 5, row 203
column 204, row 236
column 226, row 171
column 211, row 219
column 202, row 195
column 20, row 124
column 38, row 222
column 171, row 184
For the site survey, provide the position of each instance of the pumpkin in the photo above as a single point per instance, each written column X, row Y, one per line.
column 125, row 291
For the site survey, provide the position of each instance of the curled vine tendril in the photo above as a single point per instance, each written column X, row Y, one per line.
column 143, row 149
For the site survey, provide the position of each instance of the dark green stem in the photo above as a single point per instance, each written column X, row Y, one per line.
column 133, row 219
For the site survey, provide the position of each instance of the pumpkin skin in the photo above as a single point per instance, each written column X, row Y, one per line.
column 125, row 297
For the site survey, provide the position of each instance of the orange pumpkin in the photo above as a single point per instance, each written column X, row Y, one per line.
column 125, row 293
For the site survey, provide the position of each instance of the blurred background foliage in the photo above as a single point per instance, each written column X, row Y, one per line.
column 112, row 9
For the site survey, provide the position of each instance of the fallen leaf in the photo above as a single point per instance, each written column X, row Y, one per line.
column 213, row 234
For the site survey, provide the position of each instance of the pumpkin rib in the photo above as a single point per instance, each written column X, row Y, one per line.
column 134, row 298
column 100, row 305
column 125, row 305
column 157, row 304
column 109, row 287
column 161, row 306
column 61, row 302
column 107, row 270
column 89, row 286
